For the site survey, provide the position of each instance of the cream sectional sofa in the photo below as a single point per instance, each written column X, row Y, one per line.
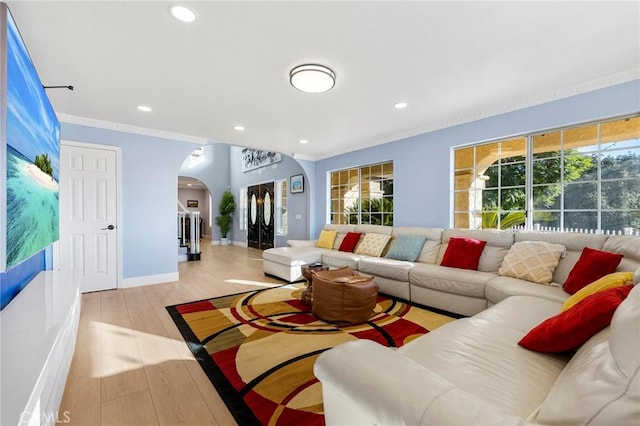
column 460, row 291
column 473, row 372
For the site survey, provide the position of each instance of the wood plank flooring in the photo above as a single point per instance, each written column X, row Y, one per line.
column 131, row 365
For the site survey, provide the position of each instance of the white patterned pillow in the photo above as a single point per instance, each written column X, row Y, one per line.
column 372, row 244
column 532, row 261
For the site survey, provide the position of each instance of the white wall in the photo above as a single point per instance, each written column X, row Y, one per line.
column 202, row 197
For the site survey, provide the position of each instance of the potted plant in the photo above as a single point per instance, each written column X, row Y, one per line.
column 226, row 209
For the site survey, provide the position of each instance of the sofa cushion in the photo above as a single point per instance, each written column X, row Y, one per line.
column 532, row 261
column 574, row 243
column 372, row 244
column 406, row 247
column 480, row 355
column 397, row 270
column 463, row 253
column 293, row 256
column 431, row 247
column 341, row 231
column 450, row 280
column 375, row 229
column 601, row 383
column 570, row 329
column 350, row 241
column 326, row 238
column 591, row 265
column 608, row 281
column 339, row 259
column 498, row 244
column 500, row 288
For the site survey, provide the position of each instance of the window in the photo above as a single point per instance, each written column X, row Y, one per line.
column 584, row 179
column 281, row 207
column 362, row 195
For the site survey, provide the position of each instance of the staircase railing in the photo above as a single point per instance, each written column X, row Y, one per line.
column 189, row 231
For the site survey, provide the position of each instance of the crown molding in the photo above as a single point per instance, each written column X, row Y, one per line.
column 108, row 125
column 576, row 89
column 297, row 156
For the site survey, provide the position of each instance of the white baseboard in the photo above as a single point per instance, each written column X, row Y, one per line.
column 150, row 279
column 239, row 243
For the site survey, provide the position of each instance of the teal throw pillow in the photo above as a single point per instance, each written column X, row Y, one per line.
column 406, row 247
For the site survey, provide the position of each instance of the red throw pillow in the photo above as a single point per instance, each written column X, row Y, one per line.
column 350, row 241
column 571, row 328
column 463, row 253
column 592, row 265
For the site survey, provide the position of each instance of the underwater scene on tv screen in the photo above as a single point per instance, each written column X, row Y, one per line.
column 33, row 156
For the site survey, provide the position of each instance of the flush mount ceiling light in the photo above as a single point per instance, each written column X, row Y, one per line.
column 144, row 108
column 182, row 13
column 312, row 78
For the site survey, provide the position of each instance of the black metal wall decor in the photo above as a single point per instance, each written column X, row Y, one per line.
column 256, row 158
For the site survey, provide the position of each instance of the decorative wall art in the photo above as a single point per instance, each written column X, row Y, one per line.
column 297, row 184
column 192, row 203
column 30, row 146
column 256, row 158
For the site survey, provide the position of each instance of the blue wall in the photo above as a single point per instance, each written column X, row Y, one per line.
column 422, row 164
column 422, row 172
column 150, row 168
column 297, row 204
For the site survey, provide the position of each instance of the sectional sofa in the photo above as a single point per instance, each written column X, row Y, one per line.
column 427, row 282
column 527, row 354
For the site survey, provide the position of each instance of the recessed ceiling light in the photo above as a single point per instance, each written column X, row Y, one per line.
column 189, row 184
column 400, row 105
column 304, row 141
column 238, row 128
column 144, row 108
column 312, row 78
column 182, row 13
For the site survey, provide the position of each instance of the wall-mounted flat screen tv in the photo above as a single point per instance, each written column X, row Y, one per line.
column 30, row 134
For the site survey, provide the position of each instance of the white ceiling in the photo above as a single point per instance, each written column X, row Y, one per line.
column 452, row 62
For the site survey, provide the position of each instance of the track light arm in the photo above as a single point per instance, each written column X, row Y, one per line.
column 57, row 87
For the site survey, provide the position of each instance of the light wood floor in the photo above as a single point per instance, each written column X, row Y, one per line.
column 131, row 365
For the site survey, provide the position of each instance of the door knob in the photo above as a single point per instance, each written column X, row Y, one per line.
column 110, row 228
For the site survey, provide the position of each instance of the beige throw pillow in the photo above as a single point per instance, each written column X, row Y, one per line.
column 372, row 244
column 532, row 261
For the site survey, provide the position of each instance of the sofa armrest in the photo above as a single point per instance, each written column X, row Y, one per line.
column 366, row 383
column 302, row 243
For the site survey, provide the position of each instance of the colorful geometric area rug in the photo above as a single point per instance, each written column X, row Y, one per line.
column 258, row 348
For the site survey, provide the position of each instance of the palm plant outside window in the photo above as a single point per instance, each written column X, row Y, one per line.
column 362, row 195
column 584, row 178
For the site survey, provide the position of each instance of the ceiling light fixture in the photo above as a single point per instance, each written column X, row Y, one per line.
column 400, row 105
column 304, row 141
column 144, row 108
column 312, row 78
column 182, row 13
column 238, row 128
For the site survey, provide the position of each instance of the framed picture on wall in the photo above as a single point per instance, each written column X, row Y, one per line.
column 192, row 203
column 296, row 184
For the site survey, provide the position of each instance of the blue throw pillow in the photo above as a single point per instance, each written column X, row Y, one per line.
column 406, row 247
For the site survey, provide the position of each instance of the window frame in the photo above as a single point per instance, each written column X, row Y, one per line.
column 593, row 146
column 359, row 180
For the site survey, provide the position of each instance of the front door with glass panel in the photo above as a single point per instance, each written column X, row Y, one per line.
column 261, row 229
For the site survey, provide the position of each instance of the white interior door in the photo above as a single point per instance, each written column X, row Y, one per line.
column 88, row 215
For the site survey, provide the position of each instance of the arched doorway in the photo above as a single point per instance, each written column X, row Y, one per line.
column 194, row 209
